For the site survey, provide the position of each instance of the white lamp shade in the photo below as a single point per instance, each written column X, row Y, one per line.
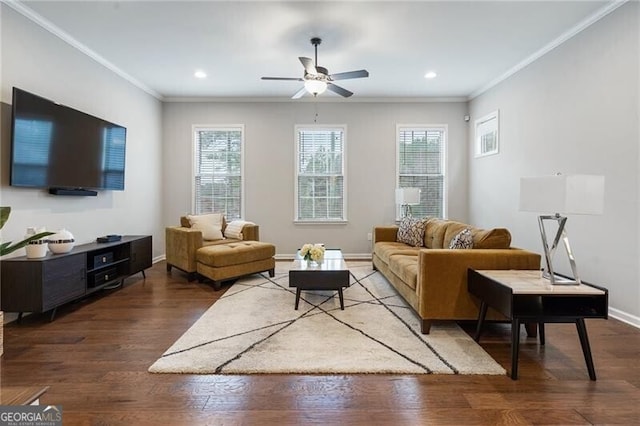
column 315, row 86
column 406, row 196
column 568, row 194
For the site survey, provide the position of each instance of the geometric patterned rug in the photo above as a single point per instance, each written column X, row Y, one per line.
column 254, row 329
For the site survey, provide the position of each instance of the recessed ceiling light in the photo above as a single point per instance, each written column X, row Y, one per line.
column 431, row 74
column 200, row 74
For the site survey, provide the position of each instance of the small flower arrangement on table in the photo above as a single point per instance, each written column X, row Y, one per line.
column 312, row 252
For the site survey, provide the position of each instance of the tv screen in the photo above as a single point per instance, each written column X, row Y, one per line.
column 59, row 147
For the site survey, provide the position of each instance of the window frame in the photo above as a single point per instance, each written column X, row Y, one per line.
column 444, row 155
column 218, row 127
column 327, row 127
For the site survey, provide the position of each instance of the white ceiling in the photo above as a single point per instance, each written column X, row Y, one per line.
column 159, row 44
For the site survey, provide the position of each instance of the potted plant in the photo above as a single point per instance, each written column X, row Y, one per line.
column 6, row 248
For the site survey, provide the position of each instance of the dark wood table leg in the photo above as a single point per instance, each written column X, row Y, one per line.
column 481, row 317
column 297, row 297
column 515, row 347
column 541, row 332
column 341, row 298
column 586, row 349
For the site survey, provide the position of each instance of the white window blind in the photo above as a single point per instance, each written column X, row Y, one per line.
column 114, row 157
column 420, row 164
column 320, row 174
column 31, row 154
column 218, row 171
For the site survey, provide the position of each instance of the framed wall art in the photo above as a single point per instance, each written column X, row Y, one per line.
column 487, row 134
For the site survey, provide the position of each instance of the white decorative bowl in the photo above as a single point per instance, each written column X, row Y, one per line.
column 61, row 242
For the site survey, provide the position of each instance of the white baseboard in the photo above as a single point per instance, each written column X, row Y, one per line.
column 159, row 258
column 624, row 317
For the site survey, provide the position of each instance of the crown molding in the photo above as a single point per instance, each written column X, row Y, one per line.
column 578, row 28
column 29, row 13
column 213, row 99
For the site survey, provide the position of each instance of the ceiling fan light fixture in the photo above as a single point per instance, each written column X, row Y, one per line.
column 315, row 87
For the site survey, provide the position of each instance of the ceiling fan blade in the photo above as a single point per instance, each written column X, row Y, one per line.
column 299, row 93
column 307, row 63
column 339, row 90
column 349, row 74
column 282, row 78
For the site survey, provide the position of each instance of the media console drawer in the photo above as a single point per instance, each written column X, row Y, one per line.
column 102, row 277
column 102, row 259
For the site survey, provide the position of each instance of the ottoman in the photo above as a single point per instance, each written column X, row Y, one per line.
column 232, row 260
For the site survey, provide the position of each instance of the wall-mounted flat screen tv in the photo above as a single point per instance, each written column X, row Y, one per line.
column 55, row 146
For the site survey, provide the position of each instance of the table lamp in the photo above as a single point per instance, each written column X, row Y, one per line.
column 406, row 197
column 561, row 194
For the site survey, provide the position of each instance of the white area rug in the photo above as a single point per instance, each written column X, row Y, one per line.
column 254, row 328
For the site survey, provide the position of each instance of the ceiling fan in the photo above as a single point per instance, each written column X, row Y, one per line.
column 317, row 79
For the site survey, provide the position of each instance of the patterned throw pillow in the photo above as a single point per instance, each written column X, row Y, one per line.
column 411, row 231
column 464, row 240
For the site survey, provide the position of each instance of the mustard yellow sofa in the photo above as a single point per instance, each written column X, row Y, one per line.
column 432, row 278
column 218, row 260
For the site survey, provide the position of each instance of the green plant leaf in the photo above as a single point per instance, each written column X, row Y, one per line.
column 4, row 215
column 6, row 248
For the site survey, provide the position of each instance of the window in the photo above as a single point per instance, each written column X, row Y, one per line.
column 218, row 168
column 320, row 174
column 113, row 147
column 31, row 154
column 420, row 164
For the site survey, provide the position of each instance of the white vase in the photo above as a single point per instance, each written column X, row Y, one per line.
column 61, row 242
column 38, row 248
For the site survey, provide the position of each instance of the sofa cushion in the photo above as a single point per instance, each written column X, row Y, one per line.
column 406, row 268
column 463, row 240
column 209, row 224
column 434, row 233
column 496, row 238
column 411, row 231
column 439, row 233
column 385, row 249
column 219, row 255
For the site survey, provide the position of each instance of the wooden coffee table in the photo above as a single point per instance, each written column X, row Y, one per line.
column 331, row 274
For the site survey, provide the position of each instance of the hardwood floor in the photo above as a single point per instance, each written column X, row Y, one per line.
column 95, row 356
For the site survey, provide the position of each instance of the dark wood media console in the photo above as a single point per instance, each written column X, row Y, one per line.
column 40, row 285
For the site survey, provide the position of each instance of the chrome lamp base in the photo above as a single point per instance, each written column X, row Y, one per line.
column 561, row 234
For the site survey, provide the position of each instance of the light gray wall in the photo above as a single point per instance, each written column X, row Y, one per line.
column 39, row 62
column 575, row 110
column 270, row 163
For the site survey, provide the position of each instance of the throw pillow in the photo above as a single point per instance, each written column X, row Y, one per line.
column 411, row 231
column 209, row 224
column 464, row 240
column 234, row 229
